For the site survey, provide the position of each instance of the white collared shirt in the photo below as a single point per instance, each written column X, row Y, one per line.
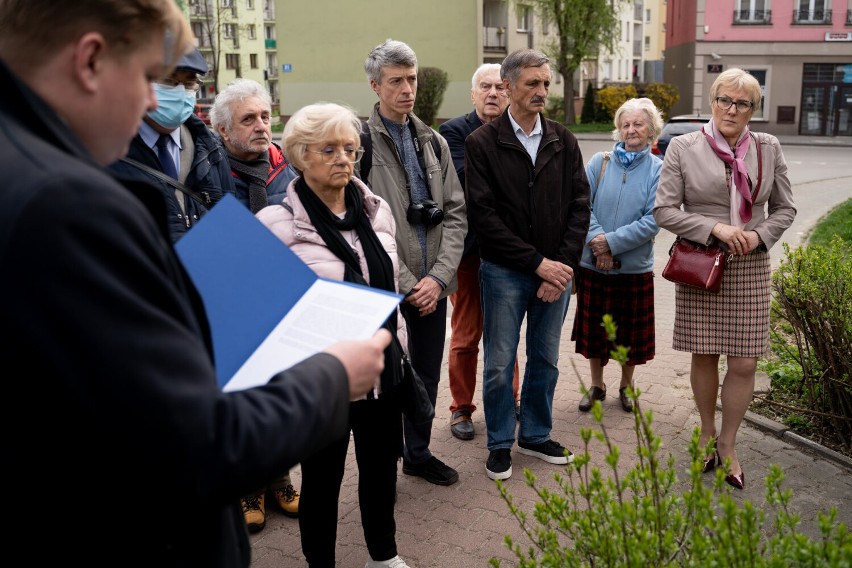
column 531, row 141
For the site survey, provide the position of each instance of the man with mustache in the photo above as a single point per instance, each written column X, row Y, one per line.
column 241, row 117
column 427, row 201
column 528, row 201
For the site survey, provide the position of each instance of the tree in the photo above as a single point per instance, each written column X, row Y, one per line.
column 431, row 85
column 583, row 29
column 218, row 22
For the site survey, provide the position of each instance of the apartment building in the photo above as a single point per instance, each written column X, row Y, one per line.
column 305, row 52
column 799, row 50
column 237, row 37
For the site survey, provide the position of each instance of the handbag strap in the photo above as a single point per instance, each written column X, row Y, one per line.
column 203, row 199
column 759, row 166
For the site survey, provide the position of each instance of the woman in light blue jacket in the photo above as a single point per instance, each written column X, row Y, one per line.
column 616, row 274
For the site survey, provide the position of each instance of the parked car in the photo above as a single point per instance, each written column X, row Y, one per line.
column 675, row 126
column 202, row 111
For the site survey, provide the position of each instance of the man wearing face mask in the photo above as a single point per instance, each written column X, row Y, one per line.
column 176, row 151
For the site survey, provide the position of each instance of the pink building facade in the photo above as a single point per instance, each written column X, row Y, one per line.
column 799, row 50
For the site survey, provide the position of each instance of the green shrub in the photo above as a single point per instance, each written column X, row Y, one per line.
column 613, row 96
column 431, row 86
column 555, row 109
column 639, row 519
column 813, row 296
column 589, row 113
column 664, row 95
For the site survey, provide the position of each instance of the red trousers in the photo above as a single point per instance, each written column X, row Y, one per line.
column 466, row 325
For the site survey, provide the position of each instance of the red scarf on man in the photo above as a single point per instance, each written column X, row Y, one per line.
column 739, row 175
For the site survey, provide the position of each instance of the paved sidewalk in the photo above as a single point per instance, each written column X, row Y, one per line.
column 464, row 525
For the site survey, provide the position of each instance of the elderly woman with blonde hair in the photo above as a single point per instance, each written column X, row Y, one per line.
column 725, row 184
column 616, row 275
column 343, row 231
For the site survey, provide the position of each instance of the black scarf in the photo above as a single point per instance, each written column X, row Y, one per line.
column 329, row 225
column 379, row 265
column 255, row 173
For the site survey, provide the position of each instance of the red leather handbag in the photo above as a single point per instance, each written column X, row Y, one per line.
column 696, row 265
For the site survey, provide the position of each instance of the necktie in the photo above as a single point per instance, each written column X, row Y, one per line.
column 165, row 156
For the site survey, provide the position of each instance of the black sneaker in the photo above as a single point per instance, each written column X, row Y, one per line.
column 549, row 451
column 432, row 470
column 499, row 464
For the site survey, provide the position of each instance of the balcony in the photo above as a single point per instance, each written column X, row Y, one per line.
column 271, row 73
column 811, row 16
column 270, row 43
column 494, row 39
column 752, row 16
column 637, row 48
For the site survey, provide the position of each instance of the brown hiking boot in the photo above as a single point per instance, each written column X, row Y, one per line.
column 288, row 500
column 254, row 511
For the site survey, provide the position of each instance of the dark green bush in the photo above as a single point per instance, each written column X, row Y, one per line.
column 431, row 86
column 589, row 113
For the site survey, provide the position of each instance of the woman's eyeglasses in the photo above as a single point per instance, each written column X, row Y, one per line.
column 330, row 153
column 725, row 103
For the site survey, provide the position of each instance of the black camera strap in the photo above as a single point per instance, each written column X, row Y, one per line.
column 366, row 162
column 417, row 149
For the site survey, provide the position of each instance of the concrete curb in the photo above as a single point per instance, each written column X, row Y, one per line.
column 782, row 432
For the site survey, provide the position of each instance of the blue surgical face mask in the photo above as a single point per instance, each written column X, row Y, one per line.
column 174, row 105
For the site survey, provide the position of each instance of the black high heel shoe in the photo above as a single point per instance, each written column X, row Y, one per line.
column 736, row 481
column 710, row 463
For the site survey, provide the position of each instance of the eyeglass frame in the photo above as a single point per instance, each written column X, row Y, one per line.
column 359, row 153
column 170, row 82
column 719, row 102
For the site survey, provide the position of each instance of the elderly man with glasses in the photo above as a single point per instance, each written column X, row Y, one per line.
column 176, row 151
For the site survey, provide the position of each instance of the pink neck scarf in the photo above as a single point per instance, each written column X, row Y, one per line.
column 739, row 174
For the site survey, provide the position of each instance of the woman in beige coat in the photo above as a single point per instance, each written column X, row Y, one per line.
column 728, row 185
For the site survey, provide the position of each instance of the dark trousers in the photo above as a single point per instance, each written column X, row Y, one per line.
column 376, row 427
column 426, row 350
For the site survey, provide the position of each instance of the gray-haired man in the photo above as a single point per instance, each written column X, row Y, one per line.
column 427, row 201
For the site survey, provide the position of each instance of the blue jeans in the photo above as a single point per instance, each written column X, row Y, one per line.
column 507, row 297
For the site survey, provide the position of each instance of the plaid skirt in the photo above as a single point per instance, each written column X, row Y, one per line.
column 629, row 299
column 734, row 322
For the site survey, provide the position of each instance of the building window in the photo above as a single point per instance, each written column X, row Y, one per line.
column 524, row 18
column 253, row 60
column 760, row 73
column 269, row 32
column 229, row 5
column 249, row 4
column 232, row 61
column 647, row 43
column 752, row 12
column 251, row 31
column 229, row 30
column 812, row 12
column 647, row 16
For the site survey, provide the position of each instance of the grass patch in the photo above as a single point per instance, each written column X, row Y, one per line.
column 591, row 127
column 838, row 221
